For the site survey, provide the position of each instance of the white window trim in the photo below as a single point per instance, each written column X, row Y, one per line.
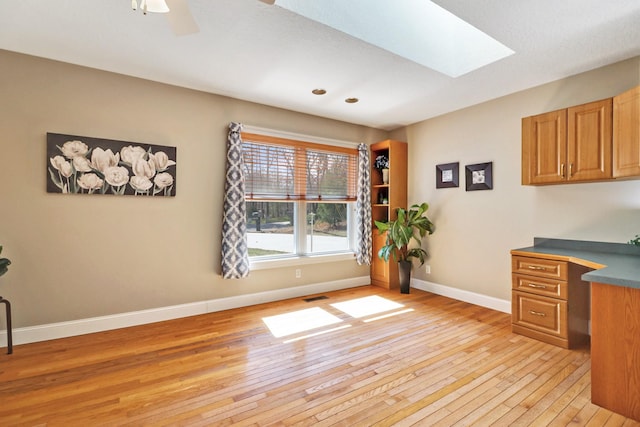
column 295, row 259
column 298, row 136
column 291, row 261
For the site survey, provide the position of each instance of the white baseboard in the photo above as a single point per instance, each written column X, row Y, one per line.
column 462, row 295
column 122, row 320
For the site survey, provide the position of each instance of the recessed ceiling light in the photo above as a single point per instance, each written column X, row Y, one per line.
column 351, row 100
column 318, row 91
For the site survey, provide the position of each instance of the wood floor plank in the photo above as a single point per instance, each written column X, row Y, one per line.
column 445, row 362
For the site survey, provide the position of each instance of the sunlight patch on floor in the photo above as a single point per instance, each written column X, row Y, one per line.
column 366, row 306
column 299, row 321
column 384, row 316
column 324, row 331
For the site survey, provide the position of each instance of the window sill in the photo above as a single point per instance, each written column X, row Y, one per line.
column 300, row 260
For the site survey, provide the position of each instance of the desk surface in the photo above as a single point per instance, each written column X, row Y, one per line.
column 613, row 263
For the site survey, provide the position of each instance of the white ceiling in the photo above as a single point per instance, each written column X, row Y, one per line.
column 249, row 50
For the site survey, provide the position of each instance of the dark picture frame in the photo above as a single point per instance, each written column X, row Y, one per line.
column 447, row 175
column 98, row 166
column 479, row 176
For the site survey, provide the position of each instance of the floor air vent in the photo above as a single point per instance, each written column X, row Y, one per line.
column 315, row 298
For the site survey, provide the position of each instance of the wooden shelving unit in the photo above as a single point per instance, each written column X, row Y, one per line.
column 395, row 194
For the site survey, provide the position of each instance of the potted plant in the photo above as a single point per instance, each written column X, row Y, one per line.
column 412, row 224
column 4, row 264
column 382, row 164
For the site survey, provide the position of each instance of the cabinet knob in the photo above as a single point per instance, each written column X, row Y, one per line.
column 537, row 313
column 533, row 285
column 562, row 170
column 536, row 267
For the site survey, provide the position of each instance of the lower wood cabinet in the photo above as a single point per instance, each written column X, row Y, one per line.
column 541, row 317
column 383, row 274
column 615, row 349
column 550, row 302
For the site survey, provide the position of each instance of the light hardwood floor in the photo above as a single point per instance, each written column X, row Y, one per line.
column 444, row 363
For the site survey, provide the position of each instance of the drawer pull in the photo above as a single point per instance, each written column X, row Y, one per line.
column 533, row 285
column 537, row 268
column 537, row 313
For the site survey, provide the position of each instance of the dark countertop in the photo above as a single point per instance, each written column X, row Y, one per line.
column 614, row 263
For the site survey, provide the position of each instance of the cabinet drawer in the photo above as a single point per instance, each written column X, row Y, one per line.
column 539, row 267
column 539, row 313
column 540, row 286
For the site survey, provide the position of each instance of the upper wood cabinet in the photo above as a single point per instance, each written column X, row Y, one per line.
column 589, row 141
column 626, row 133
column 568, row 145
column 544, row 147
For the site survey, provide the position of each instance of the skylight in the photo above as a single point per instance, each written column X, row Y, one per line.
column 418, row 30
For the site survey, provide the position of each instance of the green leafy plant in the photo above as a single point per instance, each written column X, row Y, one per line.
column 635, row 240
column 4, row 264
column 411, row 224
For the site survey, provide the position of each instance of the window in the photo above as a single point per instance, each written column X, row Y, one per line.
column 300, row 197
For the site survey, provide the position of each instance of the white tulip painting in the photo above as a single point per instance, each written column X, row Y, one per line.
column 85, row 165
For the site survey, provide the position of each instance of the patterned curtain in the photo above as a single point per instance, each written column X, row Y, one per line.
column 363, row 207
column 235, row 256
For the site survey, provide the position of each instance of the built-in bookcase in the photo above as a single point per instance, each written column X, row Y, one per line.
column 385, row 199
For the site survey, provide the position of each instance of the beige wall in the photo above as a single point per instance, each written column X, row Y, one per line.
column 476, row 230
column 79, row 256
column 82, row 256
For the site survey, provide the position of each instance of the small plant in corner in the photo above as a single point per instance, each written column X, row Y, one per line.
column 4, row 264
column 635, row 240
column 412, row 224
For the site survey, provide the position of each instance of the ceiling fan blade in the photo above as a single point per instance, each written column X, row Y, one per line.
column 268, row 1
column 180, row 18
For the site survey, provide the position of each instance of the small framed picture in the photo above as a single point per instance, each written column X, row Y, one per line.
column 447, row 175
column 479, row 176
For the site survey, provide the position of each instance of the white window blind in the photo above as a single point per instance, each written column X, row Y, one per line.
column 285, row 169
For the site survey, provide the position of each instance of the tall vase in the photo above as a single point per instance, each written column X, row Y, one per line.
column 404, row 273
column 385, row 176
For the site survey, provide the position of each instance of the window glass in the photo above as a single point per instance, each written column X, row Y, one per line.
column 270, row 228
column 300, row 197
column 327, row 227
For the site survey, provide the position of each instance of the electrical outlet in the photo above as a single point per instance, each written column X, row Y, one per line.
column 427, row 268
column 298, row 273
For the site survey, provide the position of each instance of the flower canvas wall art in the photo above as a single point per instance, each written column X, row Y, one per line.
column 85, row 165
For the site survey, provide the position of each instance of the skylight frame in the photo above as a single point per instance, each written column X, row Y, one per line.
column 418, row 30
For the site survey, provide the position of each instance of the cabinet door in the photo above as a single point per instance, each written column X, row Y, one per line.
column 544, row 141
column 384, row 274
column 379, row 268
column 615, row 349
column 626, row 133
column 589, row 143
